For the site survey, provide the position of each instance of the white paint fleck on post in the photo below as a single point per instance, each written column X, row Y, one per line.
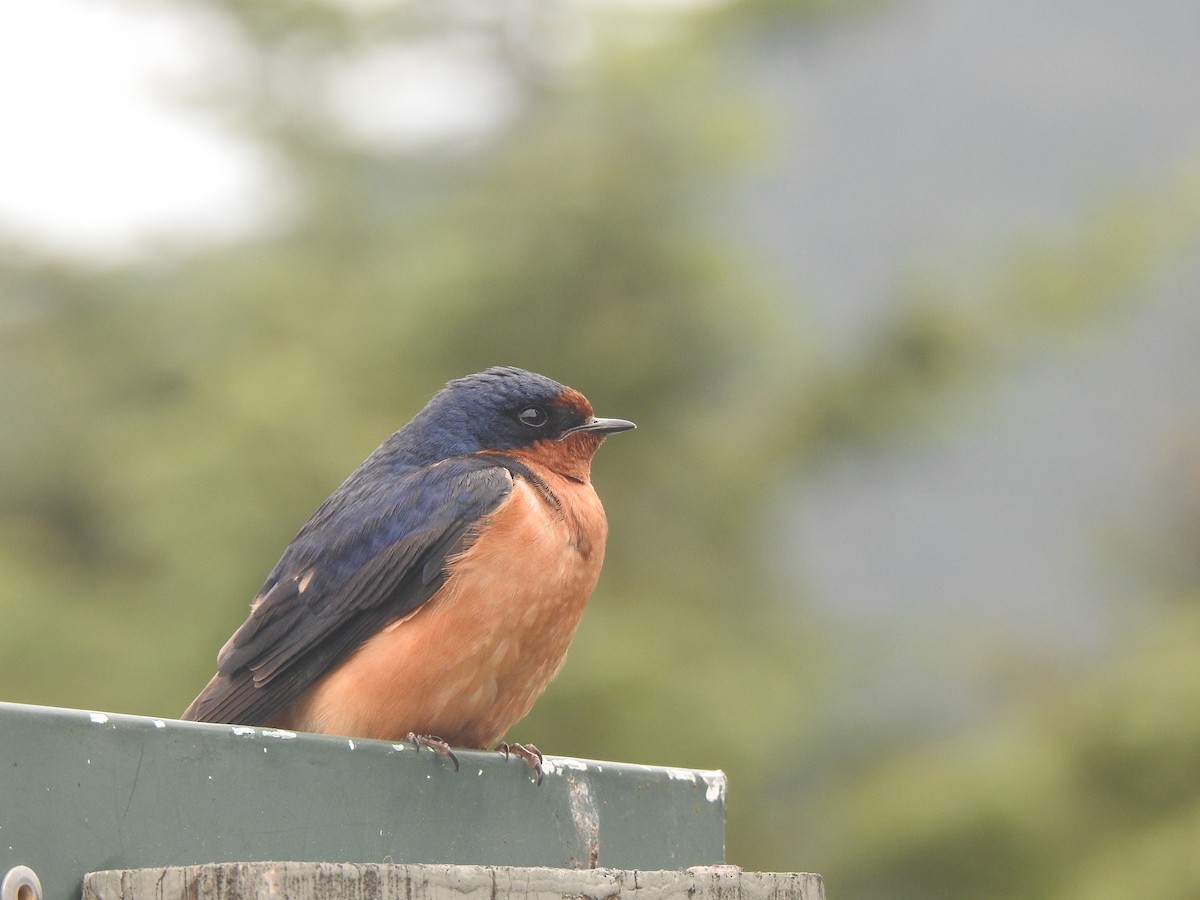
column 717, row 783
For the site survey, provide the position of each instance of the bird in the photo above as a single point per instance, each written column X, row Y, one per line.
column 432, row 597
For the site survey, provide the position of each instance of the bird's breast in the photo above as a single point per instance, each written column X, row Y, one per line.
column 472, row 660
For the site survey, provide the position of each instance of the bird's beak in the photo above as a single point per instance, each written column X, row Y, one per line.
column 602, row 426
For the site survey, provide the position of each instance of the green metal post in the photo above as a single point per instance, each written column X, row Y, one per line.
column 83, row 791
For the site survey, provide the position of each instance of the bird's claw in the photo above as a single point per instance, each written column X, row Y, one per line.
column 528, row 752
column 434, row 743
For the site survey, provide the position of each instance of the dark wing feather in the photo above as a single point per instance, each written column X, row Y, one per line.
column 374, row 552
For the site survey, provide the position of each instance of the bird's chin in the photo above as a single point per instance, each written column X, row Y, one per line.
column 569, row 456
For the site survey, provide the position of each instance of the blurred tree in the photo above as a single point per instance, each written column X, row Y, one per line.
column 1084, row 789
column 171, row 423
column 1081, row 783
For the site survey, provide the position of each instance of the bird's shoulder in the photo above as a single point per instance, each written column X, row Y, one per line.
column 380, row 541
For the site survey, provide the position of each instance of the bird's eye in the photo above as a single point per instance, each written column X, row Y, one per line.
column 533, row 416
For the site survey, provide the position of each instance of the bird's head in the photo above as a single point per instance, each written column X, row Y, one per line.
column 514, row 411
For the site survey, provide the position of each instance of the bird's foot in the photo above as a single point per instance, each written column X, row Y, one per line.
column 434, row 743
column 531, row 754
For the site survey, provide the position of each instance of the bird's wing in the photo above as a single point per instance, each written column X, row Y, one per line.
column 372, row 554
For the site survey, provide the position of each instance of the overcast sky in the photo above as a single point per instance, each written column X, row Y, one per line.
column 93, row 136
column 934, row 136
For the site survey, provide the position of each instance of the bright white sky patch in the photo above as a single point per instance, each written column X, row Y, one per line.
column 407, row 94
column 94, row 155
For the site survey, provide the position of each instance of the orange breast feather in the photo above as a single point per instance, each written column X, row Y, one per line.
column 472, row 660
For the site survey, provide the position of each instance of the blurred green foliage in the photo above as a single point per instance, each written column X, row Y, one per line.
column 1079, row 790
column 170, row 423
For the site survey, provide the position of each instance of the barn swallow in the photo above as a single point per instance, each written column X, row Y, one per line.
column 432, row 597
